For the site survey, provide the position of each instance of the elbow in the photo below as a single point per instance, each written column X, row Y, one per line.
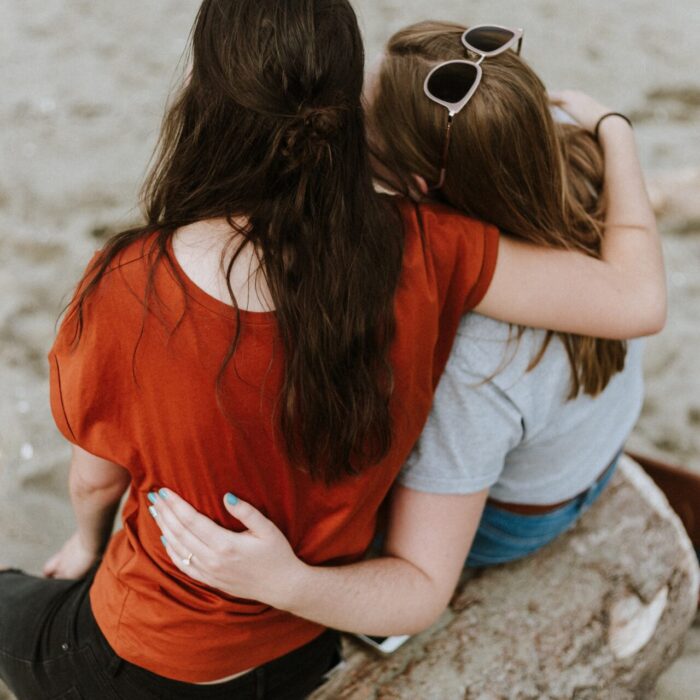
column 426, row 622
column 655, row 313
column 410, row 627
column 642, row 291
column 97, row 491
column 642, row 313
column 655, row 302
column 658, row 322
column 427, row 615
column 429, row 607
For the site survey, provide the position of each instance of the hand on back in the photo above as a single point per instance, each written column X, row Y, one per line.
column 257, row 563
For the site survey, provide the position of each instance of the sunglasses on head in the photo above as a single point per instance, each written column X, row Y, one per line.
column 451, row 84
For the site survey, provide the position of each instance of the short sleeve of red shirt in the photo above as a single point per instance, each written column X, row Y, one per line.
column 464, row 253
column 449, row 262
column 89, row 380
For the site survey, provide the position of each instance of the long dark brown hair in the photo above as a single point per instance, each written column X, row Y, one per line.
column 269, row 127
column 510, row 163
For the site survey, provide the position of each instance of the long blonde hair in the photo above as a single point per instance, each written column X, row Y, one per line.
column 509, row 163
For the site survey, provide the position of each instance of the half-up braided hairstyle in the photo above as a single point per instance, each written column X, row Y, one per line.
column 308, row 139
column 270, row 127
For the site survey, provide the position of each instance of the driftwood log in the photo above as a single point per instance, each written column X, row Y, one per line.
column 599, row 614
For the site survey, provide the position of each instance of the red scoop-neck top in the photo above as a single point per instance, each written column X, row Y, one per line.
column 146, row 400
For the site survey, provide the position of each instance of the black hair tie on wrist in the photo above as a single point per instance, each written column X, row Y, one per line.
column 605, row 116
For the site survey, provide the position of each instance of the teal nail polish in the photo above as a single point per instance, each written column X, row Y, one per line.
column 164, row 493
column 164, row 541
column 231, row 499
column 153, row 511
column 152, row 498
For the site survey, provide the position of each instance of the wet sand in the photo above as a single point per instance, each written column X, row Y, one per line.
column 84, row 85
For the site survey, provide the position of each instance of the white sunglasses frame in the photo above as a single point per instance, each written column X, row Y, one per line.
column 455, row 108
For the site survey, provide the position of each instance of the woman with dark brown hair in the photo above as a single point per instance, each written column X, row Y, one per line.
column 276, row 329
column 527, row 425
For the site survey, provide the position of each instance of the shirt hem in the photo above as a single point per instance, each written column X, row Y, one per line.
column 446, row 486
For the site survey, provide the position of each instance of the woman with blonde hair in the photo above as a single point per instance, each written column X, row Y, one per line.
column 527, row 425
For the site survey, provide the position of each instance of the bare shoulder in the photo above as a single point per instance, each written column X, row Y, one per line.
column 204, row 250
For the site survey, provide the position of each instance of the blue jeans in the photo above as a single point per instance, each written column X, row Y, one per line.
column 504, row 536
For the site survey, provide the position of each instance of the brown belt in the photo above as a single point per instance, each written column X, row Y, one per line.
column 526, row 509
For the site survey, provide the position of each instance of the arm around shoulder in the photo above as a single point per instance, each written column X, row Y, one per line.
column 96, row 487
column 573, row 293
column 622, row 294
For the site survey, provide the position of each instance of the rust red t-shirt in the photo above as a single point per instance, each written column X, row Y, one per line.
column 145, row 398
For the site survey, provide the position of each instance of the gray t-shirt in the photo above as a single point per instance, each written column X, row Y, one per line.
column 495, row 425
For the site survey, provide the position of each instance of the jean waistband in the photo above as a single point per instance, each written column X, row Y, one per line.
column 527, row 509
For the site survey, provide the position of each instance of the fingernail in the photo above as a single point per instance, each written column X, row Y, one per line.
column 164, row 493
column 231, row 499
column 152, row 498
column 153, row 511
column 164, row 541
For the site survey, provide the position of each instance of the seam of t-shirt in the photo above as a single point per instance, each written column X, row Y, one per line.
column 442, row 485
column 121, row 610
column 489, row 259
column 119, row 263
column 60, row 396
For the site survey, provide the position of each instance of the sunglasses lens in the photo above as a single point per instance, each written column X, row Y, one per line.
column 488, row 39
column 452, row 81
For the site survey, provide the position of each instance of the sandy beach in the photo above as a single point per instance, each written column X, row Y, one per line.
column 84, row 87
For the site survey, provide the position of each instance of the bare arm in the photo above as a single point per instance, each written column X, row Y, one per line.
column 409, row 586
column 96, row 487
column 402, row 592
column 623, row 295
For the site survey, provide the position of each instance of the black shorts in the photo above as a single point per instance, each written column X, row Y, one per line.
column 52, row 649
